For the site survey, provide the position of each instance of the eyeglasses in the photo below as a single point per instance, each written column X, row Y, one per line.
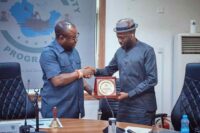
column 72, row 37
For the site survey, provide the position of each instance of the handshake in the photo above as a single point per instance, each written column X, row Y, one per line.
column 86, row 72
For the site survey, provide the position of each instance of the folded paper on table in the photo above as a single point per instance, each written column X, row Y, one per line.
column 137, row 129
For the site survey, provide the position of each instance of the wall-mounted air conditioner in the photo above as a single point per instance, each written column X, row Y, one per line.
column 186, row 50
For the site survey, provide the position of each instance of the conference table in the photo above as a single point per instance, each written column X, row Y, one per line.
column 86, row 126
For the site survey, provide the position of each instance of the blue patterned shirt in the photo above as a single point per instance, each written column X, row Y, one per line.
column 138, row 76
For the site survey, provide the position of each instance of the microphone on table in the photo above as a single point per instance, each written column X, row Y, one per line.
column 111, row 121
column 37, row 112
column 111, row 110
column 26, row 128
column 112, row 128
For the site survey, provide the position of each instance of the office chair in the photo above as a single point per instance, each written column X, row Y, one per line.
column 189, row 99
column 14, row 100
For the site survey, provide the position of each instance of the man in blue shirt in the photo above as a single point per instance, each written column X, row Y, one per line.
column 136, row 63
column 62, row 74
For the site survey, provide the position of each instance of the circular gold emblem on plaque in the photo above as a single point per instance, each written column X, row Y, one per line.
column 106, row 87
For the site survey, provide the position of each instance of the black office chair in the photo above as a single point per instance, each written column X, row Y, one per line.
column 14, row 101
column 189, row 99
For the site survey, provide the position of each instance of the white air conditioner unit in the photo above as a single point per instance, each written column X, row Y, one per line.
column 186, row 50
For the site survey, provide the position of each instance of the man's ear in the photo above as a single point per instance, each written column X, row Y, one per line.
column 61, row 37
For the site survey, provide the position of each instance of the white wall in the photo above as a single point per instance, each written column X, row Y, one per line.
column 91, row 109
column 159, row 21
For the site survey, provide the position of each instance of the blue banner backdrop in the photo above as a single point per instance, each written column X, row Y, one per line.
column 26, row 26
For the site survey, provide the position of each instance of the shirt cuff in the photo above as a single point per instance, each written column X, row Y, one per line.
column 132, row 93
column 97, row 72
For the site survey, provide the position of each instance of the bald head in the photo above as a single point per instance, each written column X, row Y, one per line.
column 66, row 34
column 62, row 27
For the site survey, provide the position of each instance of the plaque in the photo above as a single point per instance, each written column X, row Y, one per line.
column 105, row 87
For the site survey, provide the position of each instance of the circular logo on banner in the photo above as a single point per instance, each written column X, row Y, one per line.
column 30, row 24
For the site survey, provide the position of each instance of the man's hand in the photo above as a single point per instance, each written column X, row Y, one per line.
column 91, row 68
column 87, row 73
column 122, row 95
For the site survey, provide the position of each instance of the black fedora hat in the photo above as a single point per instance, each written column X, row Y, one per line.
column 125, row 25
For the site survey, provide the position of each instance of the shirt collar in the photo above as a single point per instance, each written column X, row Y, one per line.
column 59, row 47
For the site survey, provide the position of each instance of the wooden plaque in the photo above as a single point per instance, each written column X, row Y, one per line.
column 105, row 87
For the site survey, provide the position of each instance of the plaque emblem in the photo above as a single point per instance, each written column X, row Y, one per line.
column 105, row 87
